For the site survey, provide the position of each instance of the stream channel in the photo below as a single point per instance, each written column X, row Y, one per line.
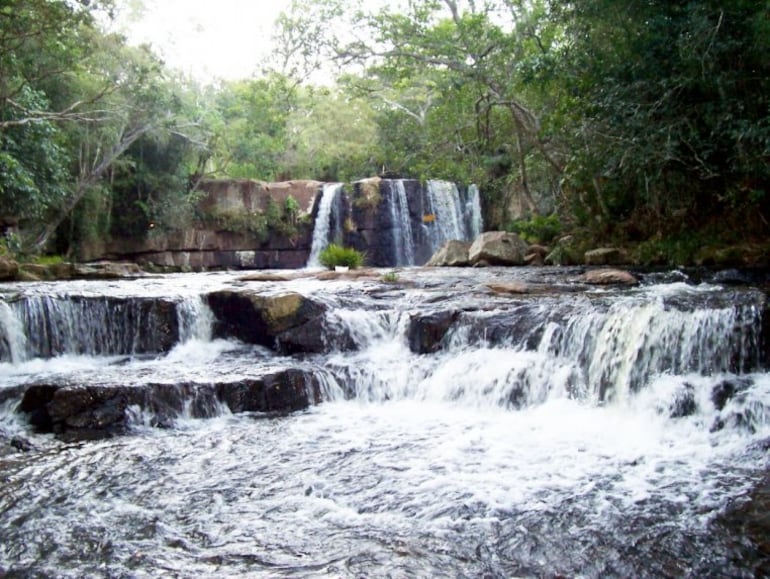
column 452, row 431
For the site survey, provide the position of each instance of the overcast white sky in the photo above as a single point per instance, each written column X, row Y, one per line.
column 205, row 38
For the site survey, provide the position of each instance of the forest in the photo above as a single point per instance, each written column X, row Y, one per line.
column 639, row 123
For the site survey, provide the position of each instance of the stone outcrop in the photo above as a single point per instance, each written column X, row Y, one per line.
column 453, row 253
column 102, row 410
column 498, row 248
column 287, row 322
column 9, row 269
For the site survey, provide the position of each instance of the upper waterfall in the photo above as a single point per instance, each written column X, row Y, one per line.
column 323, row 225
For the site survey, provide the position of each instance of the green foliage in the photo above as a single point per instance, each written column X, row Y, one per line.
column 237, row 221
column 537, row 229
column 390, row 277
column 335, row 255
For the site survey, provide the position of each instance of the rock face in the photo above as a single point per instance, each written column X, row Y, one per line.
column 9, row 269
column 207, row 245
column 98, row 411
column 453, row 253
column 498, row 248
column 287, row 322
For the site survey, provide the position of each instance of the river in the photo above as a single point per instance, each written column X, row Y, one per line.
column 580, row 431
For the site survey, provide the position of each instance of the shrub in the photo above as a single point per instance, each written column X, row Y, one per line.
column 538, row 229
column 336, row 255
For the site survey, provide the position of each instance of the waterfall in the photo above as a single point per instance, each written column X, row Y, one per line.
column 45, row 326
column 587, row 349
column 447, row 216
column 474, row 220
column 403, row 240
column 323, row 222
column 13, row 342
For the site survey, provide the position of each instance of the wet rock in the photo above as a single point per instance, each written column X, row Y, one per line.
column 265, row 319
column 609, row 277
column 606, row 256
column 264, row 277
column 453, row 253
column 725, row 390
column 426, row 331
column 77, row 411
column 22, row 444
column 498, row 248
column 9, row 269
column 684, row 403
column 519, row 288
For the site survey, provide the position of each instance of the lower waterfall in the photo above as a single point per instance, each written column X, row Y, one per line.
column 451, row 431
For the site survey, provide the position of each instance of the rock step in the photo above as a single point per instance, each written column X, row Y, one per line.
column 96, row 411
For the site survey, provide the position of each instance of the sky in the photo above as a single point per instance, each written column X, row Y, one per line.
column 207, row 39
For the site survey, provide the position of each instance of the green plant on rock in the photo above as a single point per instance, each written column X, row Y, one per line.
column 336, row 255
column 390, row 277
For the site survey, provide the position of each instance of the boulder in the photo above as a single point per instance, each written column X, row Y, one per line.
column 606, row 256
column 9, row 269
column 536, row 255
column 609, row 277
column 107, row 270
column 453, row 253
column 271, row 320
column 498, row 248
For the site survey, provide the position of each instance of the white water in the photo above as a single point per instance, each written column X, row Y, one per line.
column 539, row 444
column 445, row 206
column 473, row 210
column 402, row 235
column 323, row 223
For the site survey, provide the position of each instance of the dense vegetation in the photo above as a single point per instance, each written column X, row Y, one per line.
column 624, row 121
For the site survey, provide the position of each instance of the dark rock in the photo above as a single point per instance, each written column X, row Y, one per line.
column 498, row 248
column 684, row 403
column 21, row 444
column 723, row 392
column 88, row 412
column 426, row 331
column 453, row 253
column 263, row 319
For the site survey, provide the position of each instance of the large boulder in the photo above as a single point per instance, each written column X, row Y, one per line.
column 498, row 248
column 453, row 253
column 279, row 321
column 9, row 269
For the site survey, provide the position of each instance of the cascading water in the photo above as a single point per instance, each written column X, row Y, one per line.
column 474, row 222
column 323, row 222
column 579, row 433
column 448, row 215
column 403, row 239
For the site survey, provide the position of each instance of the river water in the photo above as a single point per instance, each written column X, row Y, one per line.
column 579, row 433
